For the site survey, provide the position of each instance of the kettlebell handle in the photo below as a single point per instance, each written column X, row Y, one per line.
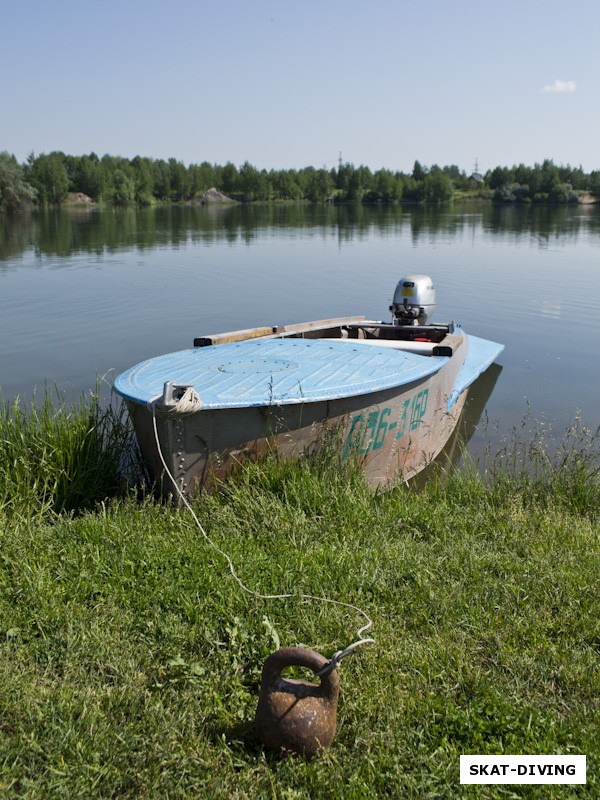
column 300, row 657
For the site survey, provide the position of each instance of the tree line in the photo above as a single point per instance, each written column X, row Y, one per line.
column 49, row 179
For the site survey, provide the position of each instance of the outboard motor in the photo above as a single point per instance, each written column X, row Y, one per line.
column 414, row 300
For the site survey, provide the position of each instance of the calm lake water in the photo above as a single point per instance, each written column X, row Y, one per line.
column 84, row 292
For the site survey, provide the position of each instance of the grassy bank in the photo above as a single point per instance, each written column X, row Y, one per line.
column 130, row 659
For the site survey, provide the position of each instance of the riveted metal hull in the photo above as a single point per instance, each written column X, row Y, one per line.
column 395, row 432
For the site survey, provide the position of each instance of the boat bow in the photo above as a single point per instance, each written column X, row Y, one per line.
column 481, row 353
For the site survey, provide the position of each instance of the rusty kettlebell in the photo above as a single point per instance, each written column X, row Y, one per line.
column 295, row 714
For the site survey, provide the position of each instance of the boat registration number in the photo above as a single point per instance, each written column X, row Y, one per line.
column 369, row 431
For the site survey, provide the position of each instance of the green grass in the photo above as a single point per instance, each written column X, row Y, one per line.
column 59, row 456
column 130, row 659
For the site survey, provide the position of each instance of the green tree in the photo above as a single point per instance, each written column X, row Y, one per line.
column 251, row 184
column 499, row 176
column 89, row 177
column 458, row 177
column 594, row 183
column 143, row 180
column 385, row 187
column 120, row 184
column 15, row 193
column 123, row 189
column 285, row 184
column 161, row 178
column 202, row 177
column 419, row 172
column 523, row 175
column 413, row 190
column 549, row 179
column 319, row 185
column 179, row 180
column 229, row 179
column 437, row 187
column 574, row 176
column 512, row 193
column 48, row 176
column 342, row 177
column 562, row 193
column 360, row 180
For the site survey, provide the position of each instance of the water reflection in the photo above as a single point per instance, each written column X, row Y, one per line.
column 65, row 232
column 468, row 431
column 547, row 223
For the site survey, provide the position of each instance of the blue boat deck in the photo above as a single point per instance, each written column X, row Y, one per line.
column 277, row 372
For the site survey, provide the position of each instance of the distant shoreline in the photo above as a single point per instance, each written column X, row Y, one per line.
column 57, row 179
column 80, row 200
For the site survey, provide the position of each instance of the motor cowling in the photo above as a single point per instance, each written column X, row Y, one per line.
column 414, row 300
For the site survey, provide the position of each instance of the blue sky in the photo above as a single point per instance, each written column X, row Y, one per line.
column 291, row 84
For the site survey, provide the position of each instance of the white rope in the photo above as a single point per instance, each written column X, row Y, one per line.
column 187, row 403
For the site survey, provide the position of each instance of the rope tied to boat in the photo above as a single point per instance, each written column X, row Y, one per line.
column 189, row 400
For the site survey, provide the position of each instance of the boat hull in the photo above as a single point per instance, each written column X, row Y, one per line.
column 395, row 432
